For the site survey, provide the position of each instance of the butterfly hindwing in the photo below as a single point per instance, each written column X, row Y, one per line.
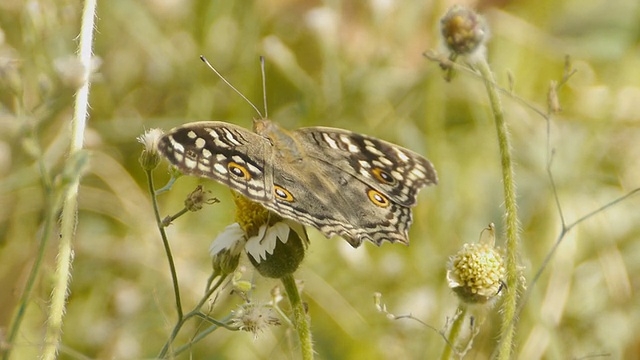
column 396, row 172
column 337, row 204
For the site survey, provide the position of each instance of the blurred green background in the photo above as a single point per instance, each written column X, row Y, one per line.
column 353, row 65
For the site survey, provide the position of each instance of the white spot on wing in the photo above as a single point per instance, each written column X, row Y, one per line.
column 385, row 161
column 374, row 150
column 229, row 136
column 190, row 163
column 350, row 146
column 237, row 159
column 417, row 173
column 364, row 164
column 221, row 169
column 332, row 143
column 402, row 155
column 177, row 146
column 253, row 169
column 219, row 143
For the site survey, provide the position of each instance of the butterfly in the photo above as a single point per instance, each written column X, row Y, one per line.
column 337, row 181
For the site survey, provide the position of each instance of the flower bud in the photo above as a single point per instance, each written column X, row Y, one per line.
column 464, row 31
column 150, row 157
column 477, row 271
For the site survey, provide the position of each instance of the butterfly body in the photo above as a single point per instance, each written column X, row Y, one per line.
column 341, row 183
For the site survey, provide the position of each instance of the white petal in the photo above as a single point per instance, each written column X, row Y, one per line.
column 228, row 239
column 279, row 230
column 299, row 229
column 265, row 242
column 150, row 139
column 257, row 245
column 453, row 280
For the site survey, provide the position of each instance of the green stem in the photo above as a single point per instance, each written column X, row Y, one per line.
column 201, row 335
column 69, row 215
column 167, row 247
column 51, row 208
column 168, row 220
column 299, row 316
column 454, row 332
column 511, row 292
column 183, row 319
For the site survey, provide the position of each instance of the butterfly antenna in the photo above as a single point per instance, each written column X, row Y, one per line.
column 264, row 87
column 204, row 59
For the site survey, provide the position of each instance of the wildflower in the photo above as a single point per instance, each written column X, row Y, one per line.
column 277, row 250
column 273, row 248
column 150, row 157
column 253, row 317
column 464, row 31
column 477, row 271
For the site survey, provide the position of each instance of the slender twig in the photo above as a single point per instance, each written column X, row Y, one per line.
column 68, row 220
column 169, row 219
column 433, row 56
column 195, row 313
column 431, row 327
column 563, row 232
column 201, row 335
column 167, row 187
column 454, row 333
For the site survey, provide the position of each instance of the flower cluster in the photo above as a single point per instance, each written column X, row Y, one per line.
column 477, row 271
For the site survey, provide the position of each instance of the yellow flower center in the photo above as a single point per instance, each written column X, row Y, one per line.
column 250, row 215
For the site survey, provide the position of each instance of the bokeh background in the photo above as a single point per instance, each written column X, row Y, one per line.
column 353, row 65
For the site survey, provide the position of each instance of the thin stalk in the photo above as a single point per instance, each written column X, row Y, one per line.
column 192, row 313
column 299, row 316
column 454, row 333
column 167, row 247
column 202, row 335
column 511, row 292
column 51, row 208
column 69, row 215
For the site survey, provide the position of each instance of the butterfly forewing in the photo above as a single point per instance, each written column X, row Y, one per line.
column 220, row 151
